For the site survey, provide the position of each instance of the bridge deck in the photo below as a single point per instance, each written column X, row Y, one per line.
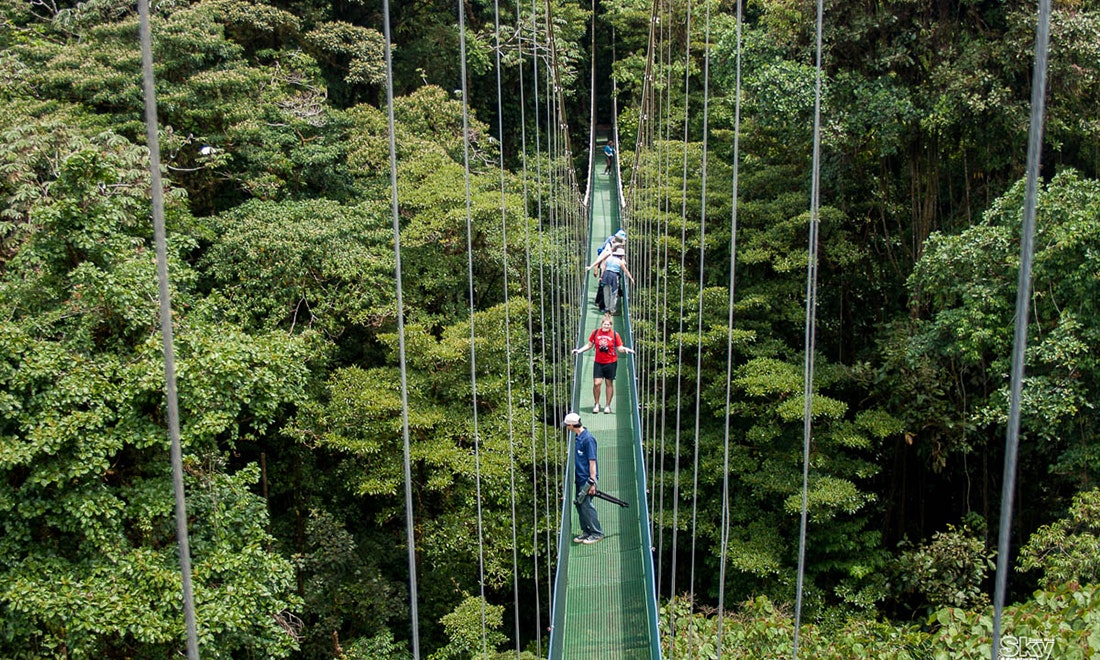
column 604, row 603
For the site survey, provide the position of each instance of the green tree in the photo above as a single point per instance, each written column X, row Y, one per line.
column 1067, row 550
column 359, row 422
column 472, row 627
column 846, row 559
column 241, row 104
column 1065, row 617
column 949, row 571
column 347, row 595
column 87, row 556
column 304, row 265
column 964, row 288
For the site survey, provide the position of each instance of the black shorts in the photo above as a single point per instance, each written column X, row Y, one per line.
column 605, row 371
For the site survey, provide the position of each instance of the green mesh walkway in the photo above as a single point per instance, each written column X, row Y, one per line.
column 604, row 596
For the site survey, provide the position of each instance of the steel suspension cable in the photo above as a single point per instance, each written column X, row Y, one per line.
column 680, row 330
column 617, row 161
column 699, row 321
column 1023, row 299
column 591, row 174
column 530, row 336
column 646, row 199
column 552, row 183
column 507, row 330
column 553, row 137
column 410, row 536
column 549, row 509
column 569, row 199
column 656, row 431
column 473, row 334
column 811, row 326
column 666, row 201
column 725, row 522
column 553, row 170
column 644, row 111
column 642, row 196
column 165, row 294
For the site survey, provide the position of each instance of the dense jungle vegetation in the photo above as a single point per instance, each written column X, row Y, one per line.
column 274, row 142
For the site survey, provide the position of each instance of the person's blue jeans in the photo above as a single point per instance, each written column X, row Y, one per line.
column 590, row 520
column 610, row 285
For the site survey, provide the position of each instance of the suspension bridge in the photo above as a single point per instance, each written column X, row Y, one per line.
column 605, row 595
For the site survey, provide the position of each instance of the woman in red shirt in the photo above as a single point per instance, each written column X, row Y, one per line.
column 608, row 345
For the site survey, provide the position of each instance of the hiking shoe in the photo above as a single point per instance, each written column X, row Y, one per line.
column 580, row 539
column 591, row 538
column 596, row 408
column 607, row 410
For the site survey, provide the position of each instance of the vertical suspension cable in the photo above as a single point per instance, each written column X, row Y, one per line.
column 410, row 538
column 654, row 176
column 1023, row 299
column 553, row 208
column 507, row 331
column 640, row 196
column 550, row 511
column 555, row 288
column 617, row 161
column 811, row 326
column 680, row 332
column 649, row 271
column 644, row 106
column 562, row 193
column 725, row 522
column 628, row 217
column 699, row 321
column 549, row 476
column 473, row 334
column 171, row 399
column 591, row 176
column 535, row 554
column 643, row 197
column 552, row 181
column 567, row 189
column 666, row 201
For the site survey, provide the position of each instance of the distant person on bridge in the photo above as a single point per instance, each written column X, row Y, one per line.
column 608, row 345
column 585, row 476
column 609, row 156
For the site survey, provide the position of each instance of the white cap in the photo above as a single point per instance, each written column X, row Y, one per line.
column 572, row 419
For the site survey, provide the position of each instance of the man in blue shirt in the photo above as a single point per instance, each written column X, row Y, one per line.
column 609, row 156
column 585, row 475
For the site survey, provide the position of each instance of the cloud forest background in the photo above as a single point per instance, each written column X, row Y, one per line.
column 275, row 153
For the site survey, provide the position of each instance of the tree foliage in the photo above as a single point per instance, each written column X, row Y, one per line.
column 966, row 283
column 1062, row 617
column 1067, row 549
column 86, row 488
column 275, row 146
column 949, row 570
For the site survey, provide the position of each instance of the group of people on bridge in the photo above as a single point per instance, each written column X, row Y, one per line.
column 609, row 267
